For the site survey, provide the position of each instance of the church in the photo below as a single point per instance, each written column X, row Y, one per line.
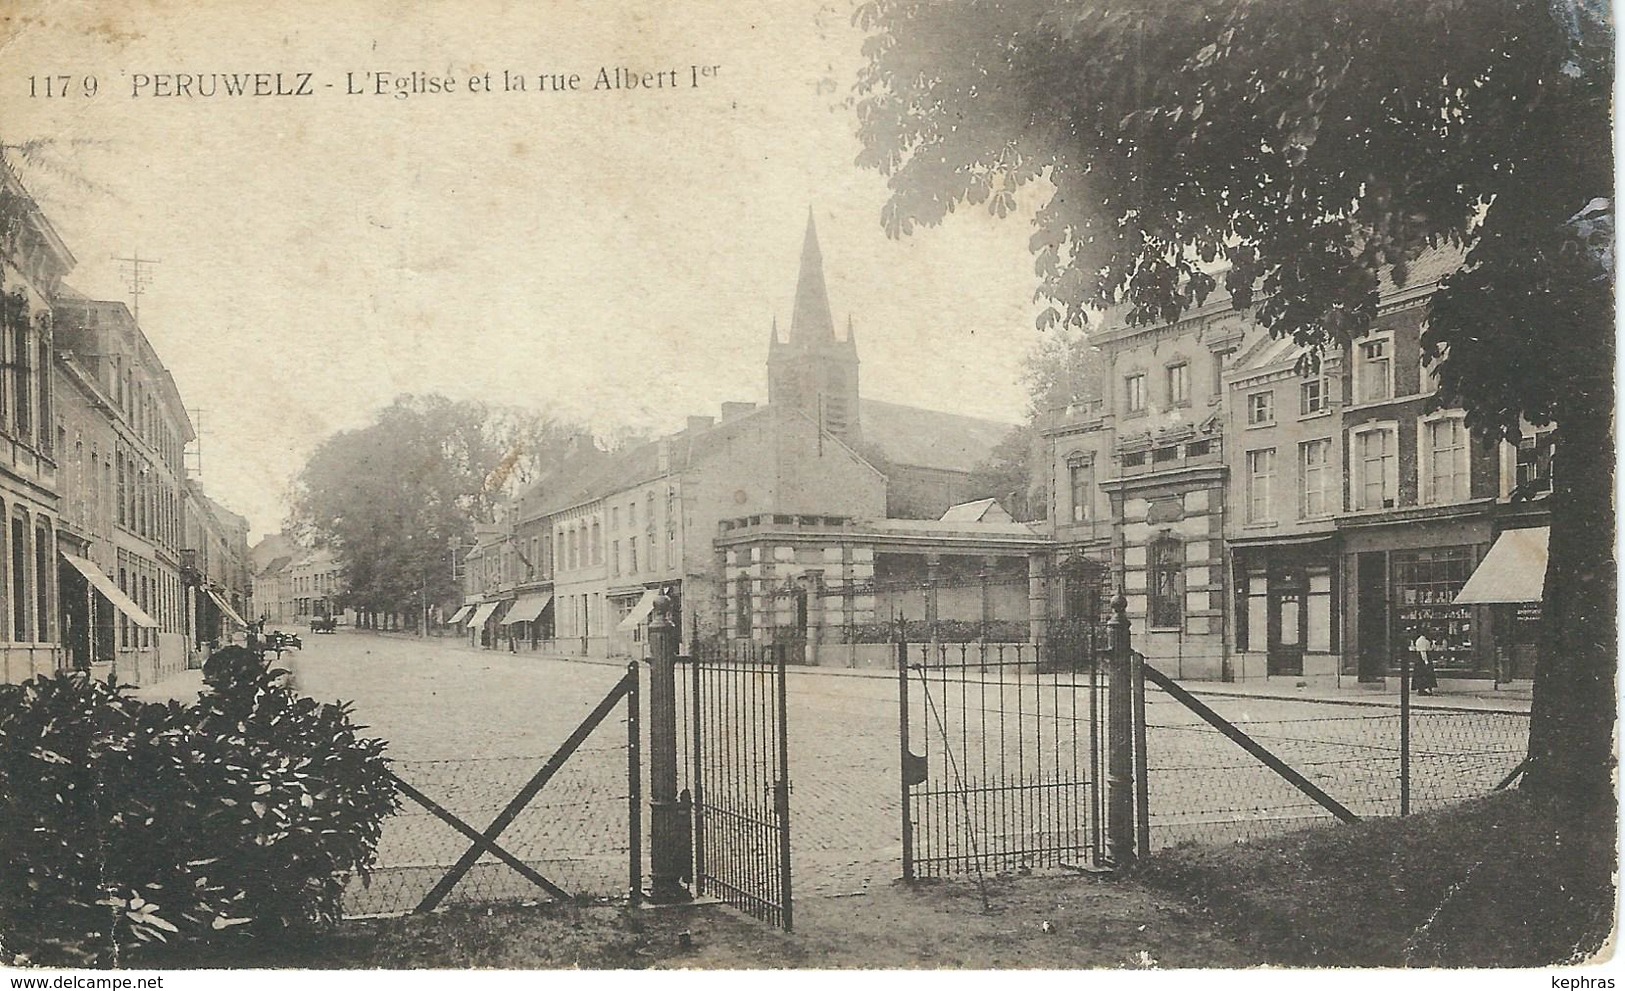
column 926, row 456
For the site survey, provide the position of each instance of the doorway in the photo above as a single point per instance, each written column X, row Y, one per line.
column 1371, row 571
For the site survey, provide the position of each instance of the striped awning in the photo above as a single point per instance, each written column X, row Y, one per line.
column 1513, row 571
column 640, row 612
column 461, row 614
column 482, row 614
column 103, row 584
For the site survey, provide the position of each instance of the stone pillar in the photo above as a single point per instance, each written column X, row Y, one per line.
column 1037, row 599
column 668, row 832
column 933, row 574
column 989, row 568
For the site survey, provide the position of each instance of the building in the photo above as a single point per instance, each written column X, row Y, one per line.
column 33, row 262
column 1275, row 514
column 215, row 567
column 122, row 431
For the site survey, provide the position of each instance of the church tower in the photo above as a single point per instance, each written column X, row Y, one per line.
column 814, row 371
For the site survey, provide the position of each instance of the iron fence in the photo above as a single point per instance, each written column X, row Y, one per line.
column 1003, row 758
column 1201, row 787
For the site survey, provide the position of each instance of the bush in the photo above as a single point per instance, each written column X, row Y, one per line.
column 137, row 832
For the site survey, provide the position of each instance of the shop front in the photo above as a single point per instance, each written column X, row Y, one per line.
column 1401, row 580
column 1287, row 607
column 1510, row 582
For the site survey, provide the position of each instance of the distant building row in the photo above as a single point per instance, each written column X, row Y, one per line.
column 114, row 560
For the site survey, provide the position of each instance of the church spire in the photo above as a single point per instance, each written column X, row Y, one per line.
column 811, row 324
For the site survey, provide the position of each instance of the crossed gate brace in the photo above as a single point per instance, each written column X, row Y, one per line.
column 485, row 842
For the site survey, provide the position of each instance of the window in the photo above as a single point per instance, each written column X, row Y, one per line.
column 1163, row 455
column 1313, row 395
column 1315, row 459
column 20, row 579
column 1179, row 384
column 1260, row 408
column 1167, row 559
column 1534, row 466
column 1081, row 478
column 1258, row 615
column 1260, row 484
column 1322, row 632
column 1134, row 392
column 742, row 618
column 1444, row 460
column 1198, row 449
column 632, row 555
column 597, row 544
column 1374, row 371
column 614, row 517
column 615, row 557
column 1134, row 460
column 1375, row 484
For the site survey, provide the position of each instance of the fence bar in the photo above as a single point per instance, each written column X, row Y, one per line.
column 781, row 793
column 481, row 842
column 1142, row 781
column 1404, row 733
column 517, row 805
column 1247, row 743
column 905, row 758
column 634, row 787
column 1120, row 743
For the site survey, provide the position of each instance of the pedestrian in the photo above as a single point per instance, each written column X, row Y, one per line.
column 1423, row 679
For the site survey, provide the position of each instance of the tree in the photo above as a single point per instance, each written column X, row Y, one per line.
column 394, row 498
column 1295, row 149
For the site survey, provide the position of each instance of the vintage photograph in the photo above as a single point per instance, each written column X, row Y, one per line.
column 829, row 485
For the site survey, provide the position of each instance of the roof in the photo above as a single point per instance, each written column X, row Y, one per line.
column 923, row 438
column 980, row 511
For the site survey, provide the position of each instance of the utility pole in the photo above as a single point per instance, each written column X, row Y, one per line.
column 196, row 452
column 136, row 279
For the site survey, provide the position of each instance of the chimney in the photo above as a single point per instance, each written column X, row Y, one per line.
column 663, row 455
column 699, row 423
column 731, row 411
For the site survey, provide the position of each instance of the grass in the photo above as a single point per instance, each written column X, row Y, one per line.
column 1502, row 881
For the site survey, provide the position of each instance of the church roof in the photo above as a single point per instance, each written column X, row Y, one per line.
column 924, row 438
column 980, row 511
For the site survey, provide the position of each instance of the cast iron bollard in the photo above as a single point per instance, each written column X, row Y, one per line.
column 667, row 832
column 1120, row 740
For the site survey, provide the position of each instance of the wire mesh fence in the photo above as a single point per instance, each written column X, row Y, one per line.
column 575, row 832
column 1204, row 788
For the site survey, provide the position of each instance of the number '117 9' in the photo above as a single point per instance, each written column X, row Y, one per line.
column 62, row 85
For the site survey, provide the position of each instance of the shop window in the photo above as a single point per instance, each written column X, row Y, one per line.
column 1260, row 485
column 1319, row 611
column 1258, row 611
column 1374, row 370
column 1426, row 583
column 1167, row 565
column 1134, row 392
column 1260, row 408
column 1444, row 459
column 1315, row 459
column 1375, row 484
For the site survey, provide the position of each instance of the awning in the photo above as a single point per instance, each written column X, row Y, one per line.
column 482, row 614
column 461, row 614
column 1513, row 571
column 103, row 584
column 640, row 612
column 527, row 608
column 225, row 607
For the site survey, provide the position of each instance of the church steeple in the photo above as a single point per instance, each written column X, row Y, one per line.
column 811, row 324
column 813, row 370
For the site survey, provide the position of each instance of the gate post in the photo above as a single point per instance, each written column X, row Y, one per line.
column 1120, row 832
column 666, row 833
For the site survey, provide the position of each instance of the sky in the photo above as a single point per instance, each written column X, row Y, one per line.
column 614, row 257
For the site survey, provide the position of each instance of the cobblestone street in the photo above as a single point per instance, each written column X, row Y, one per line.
column 469, row 727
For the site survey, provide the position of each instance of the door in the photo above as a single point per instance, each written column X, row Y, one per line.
column 1286, row 623
column 1372, row 615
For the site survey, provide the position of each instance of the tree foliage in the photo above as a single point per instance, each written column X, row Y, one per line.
column 395, row 497
column 1291, row 152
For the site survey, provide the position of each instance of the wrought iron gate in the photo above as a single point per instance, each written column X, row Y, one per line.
column 740, row 783
column 1011, row 755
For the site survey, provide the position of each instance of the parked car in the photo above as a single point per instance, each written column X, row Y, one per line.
column 278, row 641
column 323, row 624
